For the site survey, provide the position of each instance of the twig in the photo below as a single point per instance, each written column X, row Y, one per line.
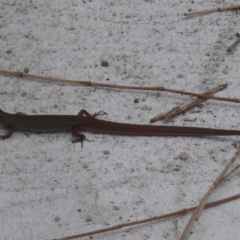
column 196, row 214
column 231, row 48
column 181, row 109
column 104, row 85
column 217, row 9
column 173, row 214
column 169, row 114
column 231, row 172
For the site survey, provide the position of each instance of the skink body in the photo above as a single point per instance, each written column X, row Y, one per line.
column 87, row 122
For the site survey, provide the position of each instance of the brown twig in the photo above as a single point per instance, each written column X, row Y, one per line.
column 156, row 218
column 197, row 212
column 104, row 85
column 181, row 109
column 217, row 9
column 231, row 172
column 231, row 48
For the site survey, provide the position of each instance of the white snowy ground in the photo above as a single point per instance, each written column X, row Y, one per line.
column 49, row 186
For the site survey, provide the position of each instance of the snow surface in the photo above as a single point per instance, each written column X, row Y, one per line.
column 49, row 186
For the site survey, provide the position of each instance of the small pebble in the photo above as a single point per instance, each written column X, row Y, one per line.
column 106, row 152
column 57, row 219
column 180, row 75
column 116, row 208
column 9, row 51
column 225, row 70
column 136, row 100
column 104, row 63
column 85, row 165
column 26, row 70
column 183, row 156
column 89, row 218
column 23, row 94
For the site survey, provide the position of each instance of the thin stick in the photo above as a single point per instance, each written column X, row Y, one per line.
column 231, row 172
column 173, row 214
column 104, row 85
column 231, row 48
column 196, row 214
column 181, row 109
column 217, row 9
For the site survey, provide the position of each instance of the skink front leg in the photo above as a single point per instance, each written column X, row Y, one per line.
column 7, row 135
column 10, row 129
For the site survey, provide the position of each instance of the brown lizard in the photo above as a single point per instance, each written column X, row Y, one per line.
column 84, row 121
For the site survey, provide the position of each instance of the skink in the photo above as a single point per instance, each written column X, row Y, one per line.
column 84, row 121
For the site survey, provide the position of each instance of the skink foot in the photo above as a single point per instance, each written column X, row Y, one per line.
column 80, row 139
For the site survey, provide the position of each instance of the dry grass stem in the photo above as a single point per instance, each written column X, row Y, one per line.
column 196, row 214
column 104, row 85
column 231, row 172
column 217, row 9
column 180, row 108
column 156, row 218
column 234, row 45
